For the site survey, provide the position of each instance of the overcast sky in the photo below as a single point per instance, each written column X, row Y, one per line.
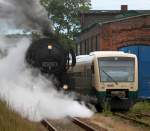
column 115, row 4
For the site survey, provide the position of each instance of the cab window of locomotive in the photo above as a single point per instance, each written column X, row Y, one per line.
column 116, row 70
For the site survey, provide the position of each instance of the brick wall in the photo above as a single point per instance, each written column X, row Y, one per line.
column 116, row 34
column 125, row 32
column 89, row 40
column 90, row 18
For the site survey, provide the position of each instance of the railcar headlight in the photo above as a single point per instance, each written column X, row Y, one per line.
column 65, row 87
column 131, row 87
column 50, row 47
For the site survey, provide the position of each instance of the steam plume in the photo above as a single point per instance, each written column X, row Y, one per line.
column 24, row 14
column 24, row 89
column 29, row 93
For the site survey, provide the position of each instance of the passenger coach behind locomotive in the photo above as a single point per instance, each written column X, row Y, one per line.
column 106, row 78
column 51, row 58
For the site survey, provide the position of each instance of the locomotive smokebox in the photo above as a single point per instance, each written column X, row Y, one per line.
column 49, row 56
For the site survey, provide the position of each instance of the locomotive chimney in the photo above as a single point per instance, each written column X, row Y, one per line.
column 124, row 8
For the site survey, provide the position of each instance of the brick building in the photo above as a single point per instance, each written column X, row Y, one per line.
column 113, row 29
column 126, row 30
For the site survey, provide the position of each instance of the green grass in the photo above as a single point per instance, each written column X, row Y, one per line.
column 106, row 110
column 11, row 121
column 141, row 107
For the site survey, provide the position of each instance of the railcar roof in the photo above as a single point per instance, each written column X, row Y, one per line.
column 111, row 53
column 84, row 58
column 89, row 58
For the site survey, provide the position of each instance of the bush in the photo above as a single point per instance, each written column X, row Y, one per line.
column 141, row 107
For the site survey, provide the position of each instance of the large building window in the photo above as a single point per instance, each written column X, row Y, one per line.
column 85, row 47
column 91, row 44
column 80, row 49
column 96, row 43
column 87, row 51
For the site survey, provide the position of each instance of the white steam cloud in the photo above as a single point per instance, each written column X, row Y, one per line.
column 23, row 14
column 27, row 92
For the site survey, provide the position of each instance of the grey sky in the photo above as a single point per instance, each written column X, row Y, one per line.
column 115, row 4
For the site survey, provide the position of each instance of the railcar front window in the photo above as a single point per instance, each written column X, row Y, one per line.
column 116, row 70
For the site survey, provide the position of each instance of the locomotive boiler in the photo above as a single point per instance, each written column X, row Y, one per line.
column 50, row 57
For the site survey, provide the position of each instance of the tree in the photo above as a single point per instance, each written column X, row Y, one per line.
column 65, row 15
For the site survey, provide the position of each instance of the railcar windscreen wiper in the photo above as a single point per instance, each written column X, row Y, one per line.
column 110, row 77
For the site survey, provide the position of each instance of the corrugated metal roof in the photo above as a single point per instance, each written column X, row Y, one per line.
column 113, row 11
column 124, row 18
column 101, row 12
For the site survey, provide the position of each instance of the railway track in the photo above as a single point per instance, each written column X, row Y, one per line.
column 48, row 125
column 134, row 118
column 73, row 124
column 143, row 114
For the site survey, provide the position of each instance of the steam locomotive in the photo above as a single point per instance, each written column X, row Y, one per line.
column 48, row 55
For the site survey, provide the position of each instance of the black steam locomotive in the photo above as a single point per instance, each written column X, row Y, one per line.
column 50, row 57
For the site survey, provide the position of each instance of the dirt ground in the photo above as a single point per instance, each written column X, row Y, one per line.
column 114, row 123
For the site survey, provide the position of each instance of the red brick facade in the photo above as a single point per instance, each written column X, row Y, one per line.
column 112, row 35
column 134, row 30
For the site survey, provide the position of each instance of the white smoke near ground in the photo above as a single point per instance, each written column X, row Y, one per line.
column 29, row 93
column 24, row 89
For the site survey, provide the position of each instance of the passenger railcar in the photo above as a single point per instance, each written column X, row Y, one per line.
column 106, row 77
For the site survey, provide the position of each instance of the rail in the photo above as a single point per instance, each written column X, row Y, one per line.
column 125, row 116
column 48, row 125
column 143, row 114
column 83, row 125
